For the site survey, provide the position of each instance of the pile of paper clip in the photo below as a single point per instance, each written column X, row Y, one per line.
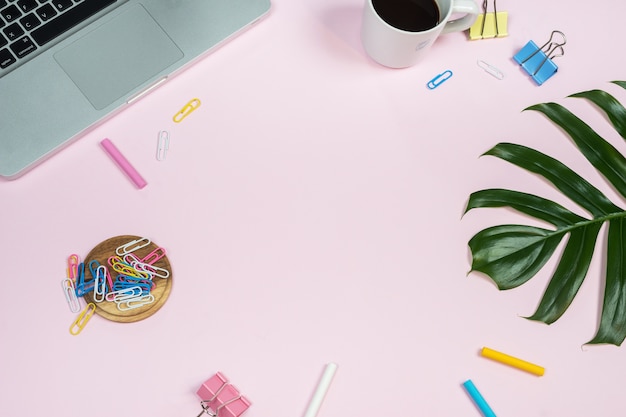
column 131, row 288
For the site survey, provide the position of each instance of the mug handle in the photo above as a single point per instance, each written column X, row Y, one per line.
column 467, row 7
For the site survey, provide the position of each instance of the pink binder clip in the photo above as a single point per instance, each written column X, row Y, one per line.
column 220, row 398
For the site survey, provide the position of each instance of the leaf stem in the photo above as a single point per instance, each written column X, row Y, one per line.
column 600, row 219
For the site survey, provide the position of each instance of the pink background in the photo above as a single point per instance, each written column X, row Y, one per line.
column 312, row 211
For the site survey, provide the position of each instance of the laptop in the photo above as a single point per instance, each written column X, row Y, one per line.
column 68, row 65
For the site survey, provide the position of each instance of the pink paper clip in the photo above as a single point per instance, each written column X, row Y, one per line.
column 72, row 266
column 153, row 256
column 220, row 398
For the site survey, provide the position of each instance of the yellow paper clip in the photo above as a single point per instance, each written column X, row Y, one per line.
column 123, row 268
column 512, row 361
column 186, row 110
column 82, row 319
column 489, row 25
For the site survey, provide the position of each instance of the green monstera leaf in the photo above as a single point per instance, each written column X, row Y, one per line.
column 512, row 254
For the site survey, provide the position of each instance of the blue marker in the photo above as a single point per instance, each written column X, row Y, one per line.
column 478, row 399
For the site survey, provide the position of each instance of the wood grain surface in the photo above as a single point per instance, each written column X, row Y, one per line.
column 109, row 310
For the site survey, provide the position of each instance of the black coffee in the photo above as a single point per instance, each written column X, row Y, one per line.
column 409, row 15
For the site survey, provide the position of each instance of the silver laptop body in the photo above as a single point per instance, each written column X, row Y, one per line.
column 96, row 69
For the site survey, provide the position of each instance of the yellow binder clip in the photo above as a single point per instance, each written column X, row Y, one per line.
column 489, row 24
column 186, row 110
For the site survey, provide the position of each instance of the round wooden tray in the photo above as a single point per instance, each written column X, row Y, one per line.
column 161, row 291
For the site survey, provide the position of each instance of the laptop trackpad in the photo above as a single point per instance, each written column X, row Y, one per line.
column 119, row 56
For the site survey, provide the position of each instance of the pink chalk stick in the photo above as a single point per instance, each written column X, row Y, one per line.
column 123, row 163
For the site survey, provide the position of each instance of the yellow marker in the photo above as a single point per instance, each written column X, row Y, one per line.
column 82, row 319
column 512, row 361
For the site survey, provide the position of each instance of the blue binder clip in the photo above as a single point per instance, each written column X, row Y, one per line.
column 537, row 62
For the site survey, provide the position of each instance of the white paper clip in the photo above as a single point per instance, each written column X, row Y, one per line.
column 135, row 302
column 121, row 295
column 491, row 70
column 100, row 284
column 152, row 270
column 132, row 246
column 70, row 295
column 163, row 145
column 439, row 79
column 131, row 259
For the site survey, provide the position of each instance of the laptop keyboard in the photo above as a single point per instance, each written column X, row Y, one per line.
column 29, row 26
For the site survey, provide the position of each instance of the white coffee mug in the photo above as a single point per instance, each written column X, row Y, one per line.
column 400, row 48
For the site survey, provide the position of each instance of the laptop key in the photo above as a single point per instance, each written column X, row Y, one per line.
column 61, row 5
column 13, row 31
column 3, row 41
column 27, row 5
column 23, row 47
column 6, row 58
column 10, row 13
column 72, row 17
column 45, row 12
column 30, row 21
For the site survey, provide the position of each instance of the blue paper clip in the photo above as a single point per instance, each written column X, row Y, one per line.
column 83, row 287
column 93, row 267
column 123, row 282
column 537, row 62
column 439, row 79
